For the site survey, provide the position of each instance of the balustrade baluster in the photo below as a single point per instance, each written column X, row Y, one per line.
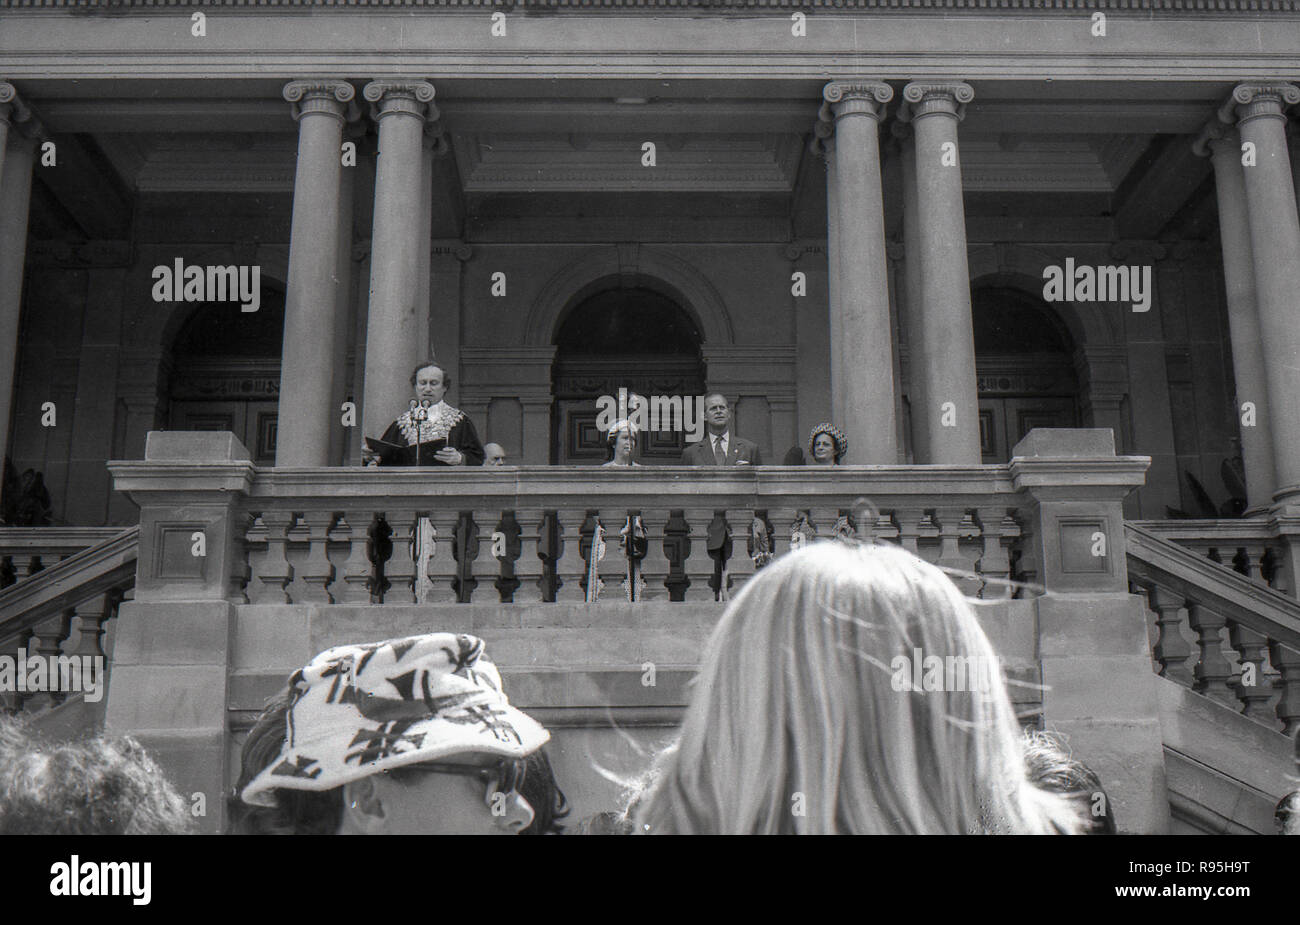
column 47, row 641
column 530, row 568
column 740, row 567
column 909, row 528
column 272, row 572
column 399, row 570
column 443, row 567
column 92, row 614
column 953, row 523
column 571, row 567
column 1171, row 650
column 22, row 565
column 486, row 566
column 698, row 564
column 1253, row 561
column 312, row 579
column 1254, row 696
column 357, row 573
column 12, row 701
column 656, row 565
column 1287, row 662
column 994, row 565
column 613, row 568
column 783, row 522
column 1213, row 670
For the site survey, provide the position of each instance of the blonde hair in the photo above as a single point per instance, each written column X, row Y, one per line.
column 799, row 723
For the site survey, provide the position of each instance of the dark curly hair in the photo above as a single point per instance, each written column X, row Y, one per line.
column 106, row 785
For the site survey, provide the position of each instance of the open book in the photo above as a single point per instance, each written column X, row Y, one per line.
column 393, row 454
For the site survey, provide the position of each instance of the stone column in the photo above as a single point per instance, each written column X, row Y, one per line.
column 862, row 381
column 424, row 236
column 912, row 303
column 1275, row 242
column 393, row 329
column 17, row 152
column 307, row 410
column 1223, row 145
column 344, row 319
column 945, row 360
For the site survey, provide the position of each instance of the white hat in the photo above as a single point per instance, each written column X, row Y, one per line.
column 361, row 709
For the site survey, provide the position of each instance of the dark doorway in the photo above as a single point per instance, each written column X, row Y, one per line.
column 226, row 373
column 1024, row 362
column 635, row 339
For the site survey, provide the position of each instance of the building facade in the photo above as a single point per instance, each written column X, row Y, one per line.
column 939, row 226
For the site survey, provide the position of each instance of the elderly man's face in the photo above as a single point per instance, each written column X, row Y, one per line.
column 493, row 455
column 717, row 413
column 429, row 385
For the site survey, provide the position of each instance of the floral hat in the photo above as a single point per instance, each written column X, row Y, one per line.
column 361, row 709
column 841, row 441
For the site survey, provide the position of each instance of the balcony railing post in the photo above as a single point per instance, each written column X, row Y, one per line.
column 174, row 642
column 1089, row 626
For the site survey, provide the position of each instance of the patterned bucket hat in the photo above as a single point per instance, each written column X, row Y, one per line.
column 361, row 709
column 837, row 435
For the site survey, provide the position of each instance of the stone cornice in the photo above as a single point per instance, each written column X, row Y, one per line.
column 1004, row 7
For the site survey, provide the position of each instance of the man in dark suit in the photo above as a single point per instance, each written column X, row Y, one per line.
column 720, row 447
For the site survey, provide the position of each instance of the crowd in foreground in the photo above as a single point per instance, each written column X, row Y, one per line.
column 797, row 725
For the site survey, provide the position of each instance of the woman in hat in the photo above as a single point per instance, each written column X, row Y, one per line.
column 806, row 718
column 827, row 445
column 406, row 736
column 622, row 440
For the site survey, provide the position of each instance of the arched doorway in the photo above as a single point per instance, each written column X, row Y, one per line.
column 225, row 373
column 631, row 338
column 1024, row 362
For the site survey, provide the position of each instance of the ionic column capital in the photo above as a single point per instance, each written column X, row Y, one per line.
column 413, row 97
column 326, row 97
column 1211, row 135
column 948, row 98
column 854, row 97
column 11, row 107
column 1259, row 100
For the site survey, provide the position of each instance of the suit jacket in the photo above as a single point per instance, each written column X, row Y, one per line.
column 738, row 449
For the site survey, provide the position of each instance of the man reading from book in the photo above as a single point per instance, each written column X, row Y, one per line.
column 431, row 432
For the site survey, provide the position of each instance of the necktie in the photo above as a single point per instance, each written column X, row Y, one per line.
column 719, row 456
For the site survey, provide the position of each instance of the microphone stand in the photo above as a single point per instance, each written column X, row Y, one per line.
column 423, row 532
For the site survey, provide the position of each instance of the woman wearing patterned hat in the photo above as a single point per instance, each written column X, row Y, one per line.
column 806, row 716
column 827, row 445
column 405, row 736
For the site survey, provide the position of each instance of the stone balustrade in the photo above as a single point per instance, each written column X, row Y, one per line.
column 25, row 551
column 1258, row 547
column 219, row 528
column 1221, row 632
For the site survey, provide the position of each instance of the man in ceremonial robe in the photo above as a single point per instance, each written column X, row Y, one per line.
column 432, row 432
